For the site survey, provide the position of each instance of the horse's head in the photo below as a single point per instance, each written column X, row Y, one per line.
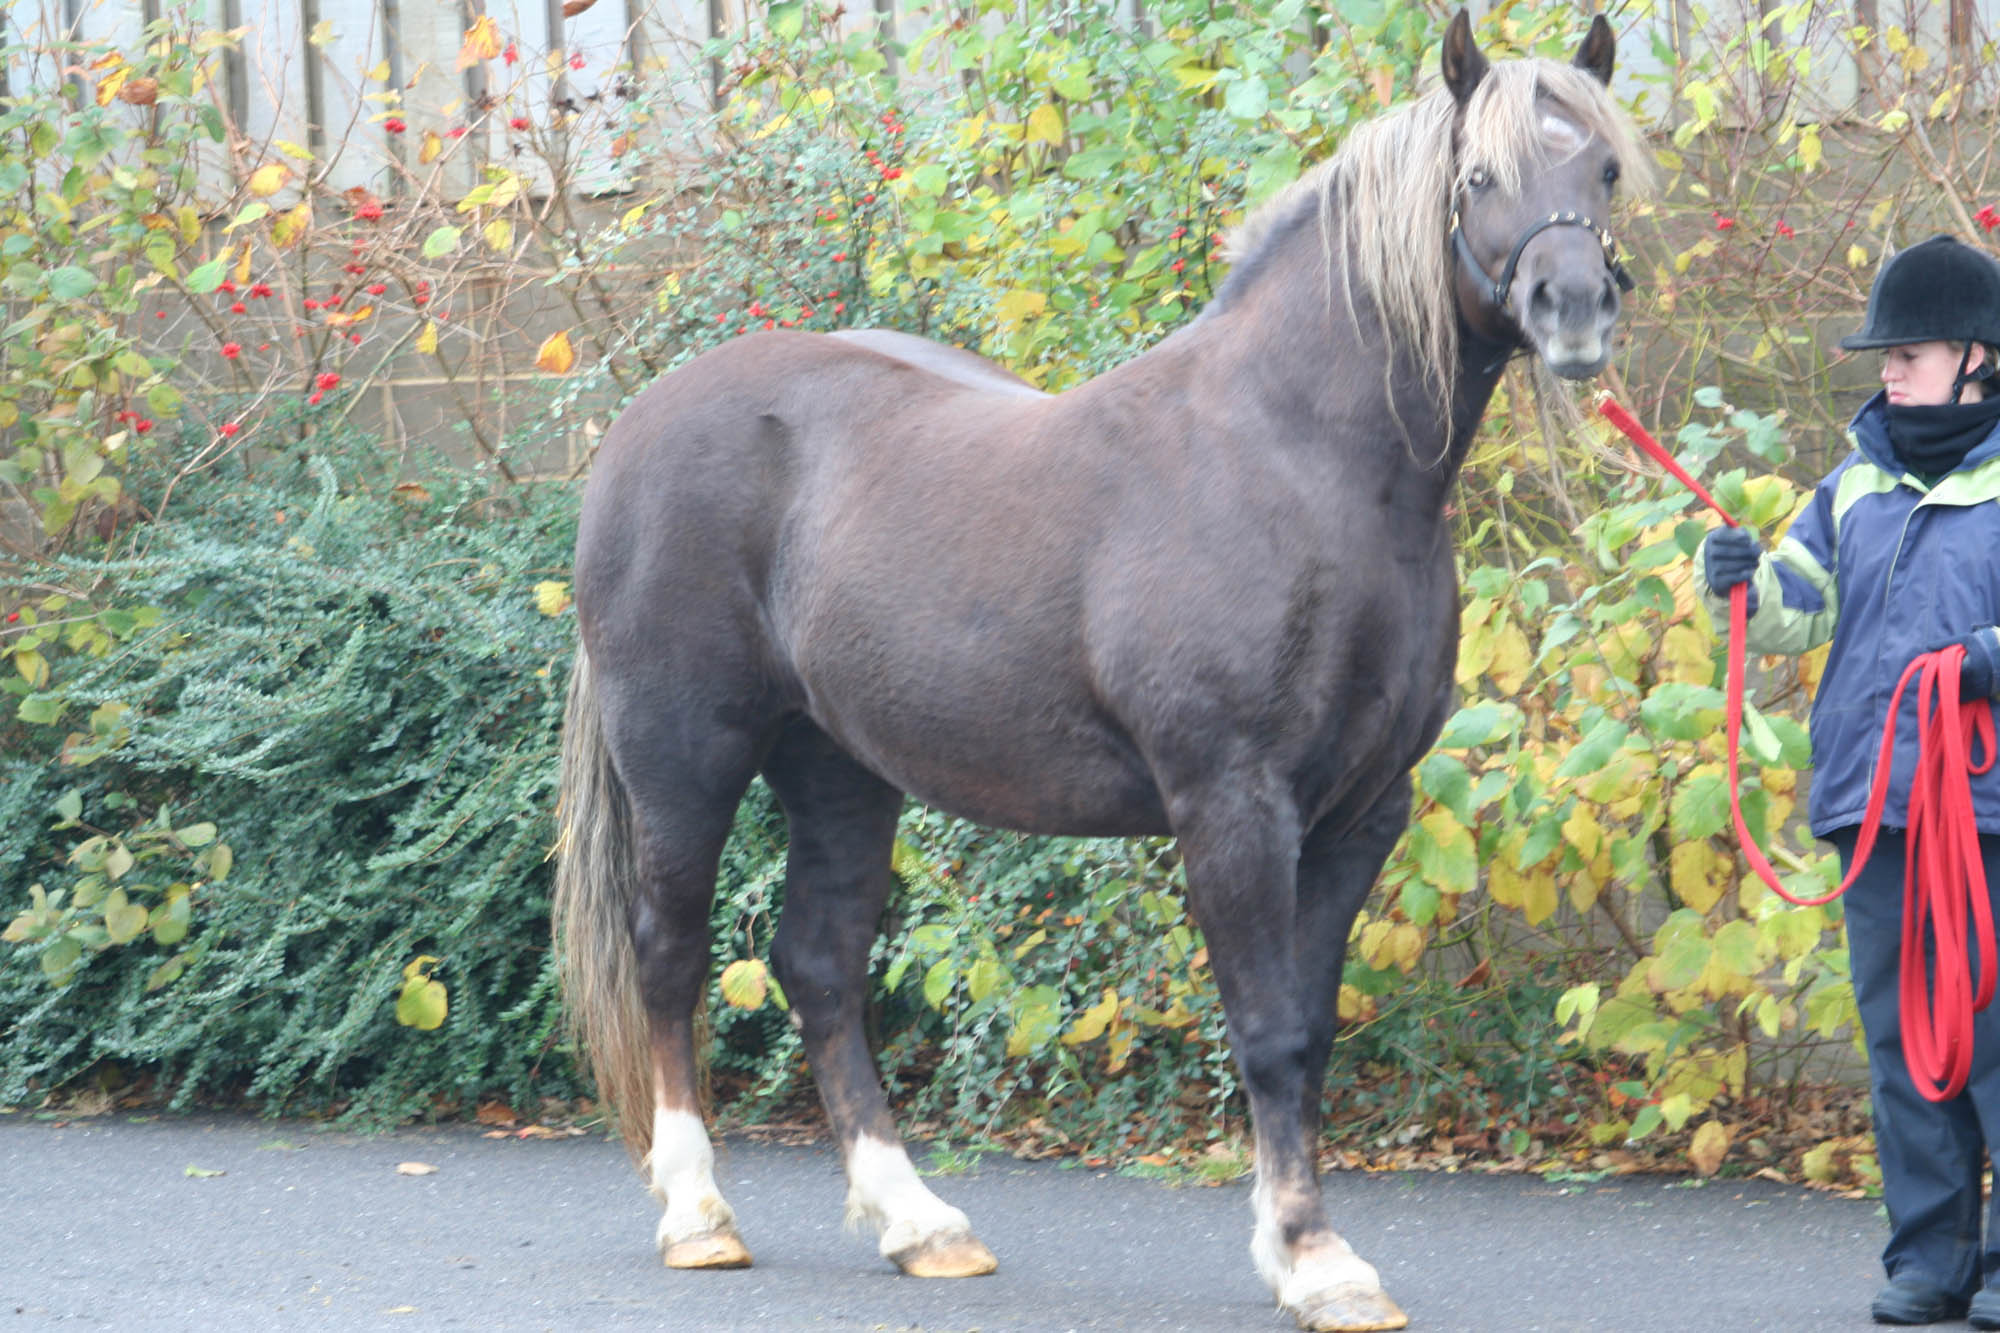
column 1536, row 171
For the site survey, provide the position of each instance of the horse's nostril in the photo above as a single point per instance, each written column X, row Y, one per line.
column 1540, row 302
column 1607, row 298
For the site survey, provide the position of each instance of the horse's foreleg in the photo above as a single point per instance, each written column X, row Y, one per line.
column 1336, row 871
column 1241, row 853
column 842, row 823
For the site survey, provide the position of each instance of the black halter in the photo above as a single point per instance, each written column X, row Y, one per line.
column 1499, row 287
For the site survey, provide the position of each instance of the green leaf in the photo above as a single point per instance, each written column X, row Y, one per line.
column 1419, row 900
column 1594, row 751
column 1247, row 98
column 441, row 242
column 170, row 921
column 70, row 283
column 1037, row 1018
column 1445, row 780
column 124, row 920
column 60, row 958
column 208, row 277
column 70, row 805
column 938, row 981
column 787, row 19
column 1478, row 724
column 196, row 835
column 1700, row 806
column 1271, row 171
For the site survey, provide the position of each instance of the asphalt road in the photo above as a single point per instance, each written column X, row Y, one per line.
column 103, row 1224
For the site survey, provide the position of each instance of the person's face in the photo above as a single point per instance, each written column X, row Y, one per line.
column 1920, row 374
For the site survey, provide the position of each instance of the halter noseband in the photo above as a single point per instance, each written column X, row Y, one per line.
column 1499, row 287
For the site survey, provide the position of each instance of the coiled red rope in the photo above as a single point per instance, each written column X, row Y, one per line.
column 1944, row 877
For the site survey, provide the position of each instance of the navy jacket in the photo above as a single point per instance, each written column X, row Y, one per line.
column 1886, row 568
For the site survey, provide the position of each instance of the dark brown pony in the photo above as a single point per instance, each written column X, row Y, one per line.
column 1208, row 594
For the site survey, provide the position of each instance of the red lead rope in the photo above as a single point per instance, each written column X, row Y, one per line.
column 1945, row 902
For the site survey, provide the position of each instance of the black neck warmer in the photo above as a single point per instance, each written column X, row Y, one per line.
column 1931, row 441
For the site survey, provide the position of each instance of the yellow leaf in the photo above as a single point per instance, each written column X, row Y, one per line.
column 745, row 983
column 415, row 1169
column 33, row 667
column 1092, row 1022
column 1406, row 945
column 296, row 152
column 1018, row 306
column 1511, row 658
column 1475, row 651
column 482, row 42
column 378, row 72
column 1582, row 831
column 291, row 226
column 1538, row 898
column 1684, row 649
column 242, row 273
column 1809, row 147
column 431, row 147
column 108, row 86
column 552, row 597
column 1856, row 256
column 341, row 319
column 422, row 1004
column 322, row 33
column 499, row 234
column 427, row 341
column 556, row 355
column 268, row 179
column 1698, row 874
column 1045, row 124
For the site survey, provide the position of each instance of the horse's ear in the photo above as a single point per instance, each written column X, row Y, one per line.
column 1599, row 50
column 1463, row 63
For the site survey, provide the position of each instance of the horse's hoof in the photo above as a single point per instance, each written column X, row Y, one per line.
column 1351, row 1308
column 711, row 1249
column 961, row 1255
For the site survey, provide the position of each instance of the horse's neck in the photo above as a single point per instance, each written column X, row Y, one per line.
column 1306, row 342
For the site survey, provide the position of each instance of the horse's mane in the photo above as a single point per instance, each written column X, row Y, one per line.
column 1389, row 191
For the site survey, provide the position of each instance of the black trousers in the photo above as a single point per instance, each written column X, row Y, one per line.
column 1932, row 1153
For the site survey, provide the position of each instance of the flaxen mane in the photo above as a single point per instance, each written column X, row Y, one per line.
column 1395, row 177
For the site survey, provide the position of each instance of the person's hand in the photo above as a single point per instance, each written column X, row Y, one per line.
column 1729, row 557
column 1979, row 676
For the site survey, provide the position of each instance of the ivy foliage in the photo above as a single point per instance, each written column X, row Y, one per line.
column 359, row 691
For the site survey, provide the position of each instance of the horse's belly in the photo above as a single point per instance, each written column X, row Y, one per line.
column 1009, row 760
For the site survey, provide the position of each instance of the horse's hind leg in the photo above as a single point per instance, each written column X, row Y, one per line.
column 842, row 821
column 684, row 773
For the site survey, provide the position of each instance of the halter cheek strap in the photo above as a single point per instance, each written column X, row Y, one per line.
column 1498, row 288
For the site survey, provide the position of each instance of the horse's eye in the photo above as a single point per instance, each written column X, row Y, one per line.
column 1477, row 178
column 1611, row 176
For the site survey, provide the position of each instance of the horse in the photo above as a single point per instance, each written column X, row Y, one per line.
column 1209, row 593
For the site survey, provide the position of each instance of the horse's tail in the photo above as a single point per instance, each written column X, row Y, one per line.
column 596, row 878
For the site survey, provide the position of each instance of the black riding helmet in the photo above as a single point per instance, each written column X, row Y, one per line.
column 1937, row 290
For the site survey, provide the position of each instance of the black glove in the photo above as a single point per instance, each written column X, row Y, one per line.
column 1728, row 557
column 1979, row 676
